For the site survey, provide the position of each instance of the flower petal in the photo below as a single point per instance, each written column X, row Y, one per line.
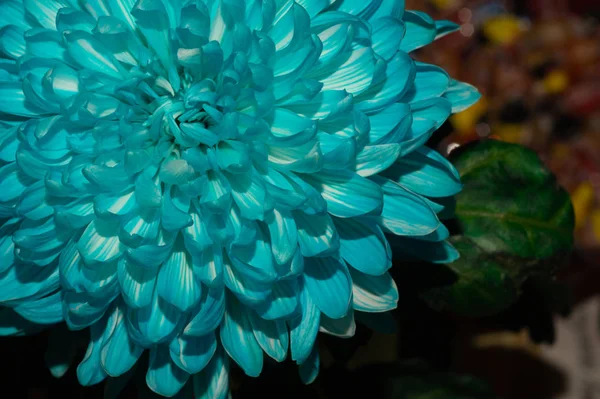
column 373, row 293
column 238, row 339
column 163, row 376
column 329, row 284
column 363, row 246
column 192, row 354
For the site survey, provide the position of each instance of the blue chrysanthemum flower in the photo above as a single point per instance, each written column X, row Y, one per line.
column 215, row 179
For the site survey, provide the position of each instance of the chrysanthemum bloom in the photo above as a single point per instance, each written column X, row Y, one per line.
column 214, row 179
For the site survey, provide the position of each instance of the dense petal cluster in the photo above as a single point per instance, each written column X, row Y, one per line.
column 214, row 179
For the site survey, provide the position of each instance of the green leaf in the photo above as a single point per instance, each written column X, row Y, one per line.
column 516, row 224
column 511, row 202
column 483, row 287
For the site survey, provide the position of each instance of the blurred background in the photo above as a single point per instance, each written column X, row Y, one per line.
column 537, row 63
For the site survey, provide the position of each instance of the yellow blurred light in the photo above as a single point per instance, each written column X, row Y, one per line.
column 582, row 198
column 464, row 122
column 556, row 82
column 444, row 4
column 511, row 133
column 504, row 29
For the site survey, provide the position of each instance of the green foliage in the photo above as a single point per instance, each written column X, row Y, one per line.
column 511, row 202
column 515, row 223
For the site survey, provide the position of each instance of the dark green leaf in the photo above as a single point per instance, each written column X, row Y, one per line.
column 514, row 222
column 511, row 202
column 484, row 285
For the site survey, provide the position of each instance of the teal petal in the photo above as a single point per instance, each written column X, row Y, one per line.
column 213, row 381
column 342, row 328
column 100, row 242
column 47, row 310
column 376, row 158
column 163, row 376
column 399, row 75
column 373, row 293
column 177, row 272
column 329, row 284
column 89, row 371
column 13, row 325
column 44, row 12
column 426, row 172
column 317, row 235
column 444, row 28
column 304, row 328
column 430, row 82
column 461, row 95
column 390, row 125
column 137, row 283
column 7, row 246
column 155, row 323
column 12, row 42
column 309, row 369
column 435, row 252
column 119, row 353
column 283, row 302
column 238, row 339
column 209, row 315
column 250, row 292
column 387, row 35
column 405, row 213
column 271, row 335
column 13, row 12
column 420, row 30
column 283, row 234
column 61, row 351
column 192, row 354
column 363, row 246
column 347, row 194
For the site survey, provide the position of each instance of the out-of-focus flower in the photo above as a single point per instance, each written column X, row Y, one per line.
column 213, row 179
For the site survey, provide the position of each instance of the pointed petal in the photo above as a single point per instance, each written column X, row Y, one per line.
column 176, row 282
column 317, row 235
column 155, row 323
column 364, row 246
column 213, row 381
column 435, row 252
column 192, row 354
column 238, row 339
column 209, row 315
column 119, row 353
column 426, row 172
column 329, row 284
column 271, row 335
column 388, row 33
column 100, row 242
column 461, row 96
column 89, row 371
column 343, row 328
column 373, row 293
column 283, row 235
column 420, row 30
column 304, row 329
column 283, row 302
column 404, row 213
column 309, row 370
column 163, row 376
column 347, row 194
column 374, row 159
column 47, row 310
